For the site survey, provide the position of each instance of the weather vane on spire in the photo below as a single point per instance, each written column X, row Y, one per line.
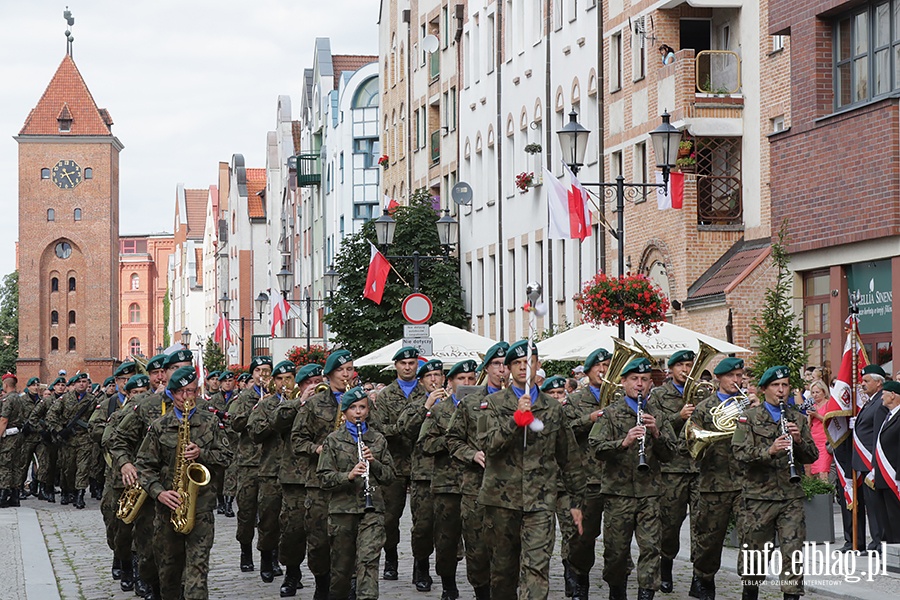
column 70, row 20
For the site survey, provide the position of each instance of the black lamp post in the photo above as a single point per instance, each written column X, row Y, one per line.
column 186, row 337
column 448, row 235
column 261, row 301
column 573, row 140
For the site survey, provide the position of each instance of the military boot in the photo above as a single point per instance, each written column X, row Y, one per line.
column 645, row 594
column 580, row 586
column 50, row 494
column 694, row 592
column 792, row 597
column 64, row 497
column 568, row 579
column 390, row 564
column 24, row 493
column 352, row 594
column 14, row 498
column 322, row 583
column 265, row 566
column 276, row 566
column 79, row 500
column 750, row 592
column 483, row 593
column 666, row 584
column 246, row 558
column 291, row 581
column 422, row 576
column 126, row 582
column 220, row 504
column 618, row 592
column 116, row 569
column 155, row 593
column 706, row 588
column 34, row 487
column 4, row 498
column 229, row 506
column 450, row 590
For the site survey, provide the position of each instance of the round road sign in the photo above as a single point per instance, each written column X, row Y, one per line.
column 417, row 308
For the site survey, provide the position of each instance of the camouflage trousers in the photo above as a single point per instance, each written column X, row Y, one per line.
column 318, row 557
column 478, row 560
column 625, row 517
column 356, row 541
column 447, row 533
column 9, row 459
column 581, row 553
column 144, row 528
column 26, row 456
column 183, row 560
column 292, row 540
column 567, row 529
column 118, row 534
column 230, row 478
column 66, row 466
column 421, row 502
column 47, row 454
column 394, row 495
column 520, row 544
column 248, row 505
column 714, row 511
column 762, row 519
column 679, row 491
column 77, row 465
column 269, row 512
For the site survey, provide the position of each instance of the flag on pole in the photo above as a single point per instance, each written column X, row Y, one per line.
column 280, row 311
column 672, row 196
column 376, row 278
column 568, row 210
column 390, row 204
column 222, row 333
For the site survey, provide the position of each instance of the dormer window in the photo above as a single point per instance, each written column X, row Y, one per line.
column 64, row 119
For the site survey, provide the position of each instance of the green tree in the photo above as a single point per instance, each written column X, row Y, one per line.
column 213, row 357
column 167, row 308
column 9, row 322
column 778, row 333
column 362, row 326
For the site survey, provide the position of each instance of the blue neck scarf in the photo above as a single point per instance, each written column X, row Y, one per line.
column 351, row 427
column 774, row 411
column 122, row 398
column 519, row 392
column 338, row 396
column 258, row 390
column 632, row 403
column 680, row 388
column 81, row 397
column 492, row 390
column 228, row 396
column 596, row 392
column 180, row 415
column 407, row 386
column 724, row 397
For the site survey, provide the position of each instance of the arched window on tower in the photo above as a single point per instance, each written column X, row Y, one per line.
column 135, row 281
column 88, row 173
column 71, row 344
column 54, row 317
column 77, row 214
column 54, row 344
column 134, row 313
column 54, row 284
column 134, row 346
column 71, row 317
column 71, row 284
column 51, row 214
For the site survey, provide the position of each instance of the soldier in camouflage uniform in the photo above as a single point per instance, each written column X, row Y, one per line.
column 582, row 409
column 772, row 504
column 446, row 479
column 248, row 457
column 356, row 533
column 219, row 405
column 465, row 443
column 183, row 559
column 384, row 417
column 14, row 413
column 68, row 418
column 109, row 394
column 30, row 439
column 271, row 453
column 319, row 417
column 528, row 447
column 421, row 502
column 679, row 475
column 631, row 493
column 123, row 446
column 719, row 483
column 47, row 449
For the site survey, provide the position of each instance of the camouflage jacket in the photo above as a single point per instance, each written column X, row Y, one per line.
column 129, row 433
column 311, row 426
column 719, row 469
column 666, row 402
column 464, row 440
column 619, row 464
column 16, row 408
column 65, row 410
column 156, row 458
column 414, row 420
column 104, row 409
column 446, row 477
column 578, row 408
column 248, row 452
column 340, row 453
column 259, row 426
column 281, row 420
column 766, row 477
column 106, row 430
column 385, row 417
column 522, row 466
column 38, row 417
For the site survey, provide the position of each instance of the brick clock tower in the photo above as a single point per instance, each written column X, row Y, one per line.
column 68, row 233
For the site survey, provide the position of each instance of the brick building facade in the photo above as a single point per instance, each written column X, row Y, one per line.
column 143, row 268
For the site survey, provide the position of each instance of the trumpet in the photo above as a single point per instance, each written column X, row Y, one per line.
column 794, row 476
column 367, row 485
column 642, row 454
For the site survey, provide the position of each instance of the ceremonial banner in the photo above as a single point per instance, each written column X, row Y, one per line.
column 570, row 218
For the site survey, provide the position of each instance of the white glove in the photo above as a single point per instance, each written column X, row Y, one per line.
column 11, row 431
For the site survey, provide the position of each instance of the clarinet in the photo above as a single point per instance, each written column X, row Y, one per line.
column 642, row 455
column 794, row 477
column 367, row 487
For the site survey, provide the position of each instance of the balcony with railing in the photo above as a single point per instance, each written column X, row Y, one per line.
column 705, row 85
column 309, row 170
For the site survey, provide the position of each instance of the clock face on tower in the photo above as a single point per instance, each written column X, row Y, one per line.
column 66, row 174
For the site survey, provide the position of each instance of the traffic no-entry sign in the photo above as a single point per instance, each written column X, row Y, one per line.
column 417, row 308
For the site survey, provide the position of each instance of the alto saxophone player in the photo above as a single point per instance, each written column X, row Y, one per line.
column 182, row 560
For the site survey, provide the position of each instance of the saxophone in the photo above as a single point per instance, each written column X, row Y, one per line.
column 130, row 503
column 189, row 477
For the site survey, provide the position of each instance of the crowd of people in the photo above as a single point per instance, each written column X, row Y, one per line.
column 494, row 459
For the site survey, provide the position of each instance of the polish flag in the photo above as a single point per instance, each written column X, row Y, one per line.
column 376, row 278
column 672, row 196
column 222, row 332
column 280, row 312
column 570, row 218
column 390, row 204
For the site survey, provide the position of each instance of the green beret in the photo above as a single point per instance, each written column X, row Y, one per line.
column 157, row 362
column 466, row 366
column 136, row 381
column 177, row 357
column 259, row 361
column 554, row 383
column 498, row 350
column 94, row 388
column 307, row 371
column 597, row 356
column 406, row 352
column 59, row 379
column 519, row 350
column 284, row 367
column 126, row 369
column 244, row 377
column 681, row 356
column 213, row 375
column 32, row 381
column 773, row 373
column 638, row 365
column 351, row 396
column 874, row 370
column 892, row 386
column 76, row 377
column 429, row 366
column 223, row 375
column 108, row 381
column 728, row 365
column 336, row 359
column 181, row 377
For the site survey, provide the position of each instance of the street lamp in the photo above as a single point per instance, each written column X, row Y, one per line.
column 284, row 277
column 448, row 235
column 261, row 301
column 186, row 337
column 385, row 225
column 332, row 279
column 665, row 138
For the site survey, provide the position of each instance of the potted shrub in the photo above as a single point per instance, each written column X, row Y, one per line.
column 818, row 509
column 533, row 149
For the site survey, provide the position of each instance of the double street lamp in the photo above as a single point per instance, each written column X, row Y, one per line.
column 573, row 139
column 285, row 282
column 261, row 301
column 448, row 235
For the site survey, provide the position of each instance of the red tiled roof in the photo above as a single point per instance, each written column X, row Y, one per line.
column 296, row 128
column 256, row 182
column 349, row 62
column 725, row 274
column 67, row 93
column 195, row 205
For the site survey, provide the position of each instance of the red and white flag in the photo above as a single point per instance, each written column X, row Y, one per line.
column 672, row 196
column 570, row 218
column 222, row 332
column 280, row 312
column 390, row 204
column 376, row 278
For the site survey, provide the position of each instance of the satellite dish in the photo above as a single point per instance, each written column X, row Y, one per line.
column 430, row 44
column 462, row 193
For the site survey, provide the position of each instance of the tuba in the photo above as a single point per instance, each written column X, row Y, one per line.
column 622, row 355
column 130, row 503
column 694, row 385
column 189, row 477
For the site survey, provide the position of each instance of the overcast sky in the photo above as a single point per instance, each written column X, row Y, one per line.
column 187, row 83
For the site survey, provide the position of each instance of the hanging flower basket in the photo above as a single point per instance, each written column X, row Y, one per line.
column 384, row 161
column 633, row 299
column 524, row 181
column 533, row 149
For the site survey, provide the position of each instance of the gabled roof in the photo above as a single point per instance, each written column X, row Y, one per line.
column 733, row 267
column 256, row 183
column 349, row 62
column 195, row 209
column 67, row 96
